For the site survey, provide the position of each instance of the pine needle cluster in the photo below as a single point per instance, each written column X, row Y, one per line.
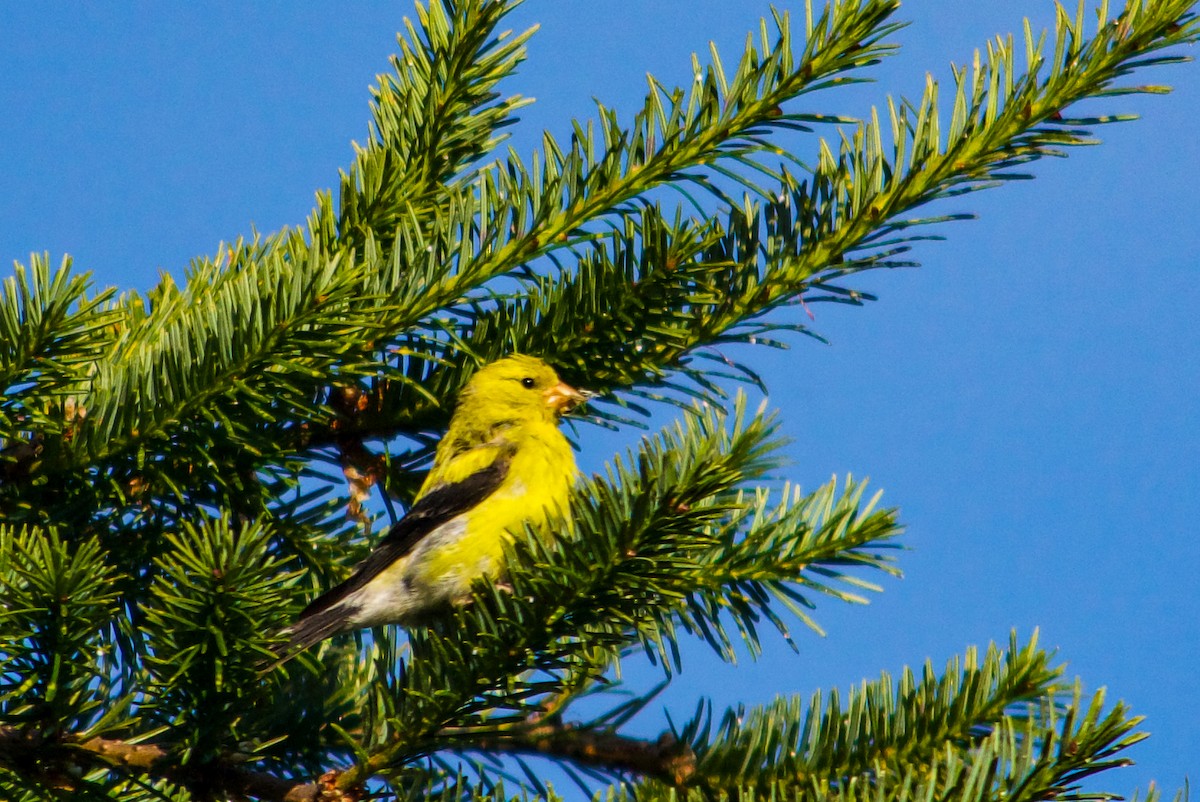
column 176, row 466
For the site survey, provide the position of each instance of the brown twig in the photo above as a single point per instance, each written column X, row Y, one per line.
column 664, row 759
column 57, row 762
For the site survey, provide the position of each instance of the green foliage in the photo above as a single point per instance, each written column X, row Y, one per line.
column 56, row 598
column 881, row 730
column 216, row 596
column 436, row 114
column 173, row 465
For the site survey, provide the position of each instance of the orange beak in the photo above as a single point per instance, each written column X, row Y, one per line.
column 562, row 397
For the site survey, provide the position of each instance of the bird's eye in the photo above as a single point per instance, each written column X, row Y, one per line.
column 527, row 383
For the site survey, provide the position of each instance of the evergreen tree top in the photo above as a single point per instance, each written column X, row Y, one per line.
column 176, row 466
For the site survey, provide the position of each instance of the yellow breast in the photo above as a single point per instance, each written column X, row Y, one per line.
column 537, row 487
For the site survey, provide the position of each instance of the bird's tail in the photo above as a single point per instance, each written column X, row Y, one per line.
column 306, row 632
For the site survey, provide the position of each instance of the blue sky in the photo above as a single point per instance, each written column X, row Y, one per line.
column 1028, row 397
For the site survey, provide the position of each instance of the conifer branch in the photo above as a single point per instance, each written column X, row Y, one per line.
column 637, row 563
column 516, row 212
column 180, row 364
column 162, row 457
column 849, row 216
column 665, row 759
column 879, row 729
column 435, row 114
column 60, row 763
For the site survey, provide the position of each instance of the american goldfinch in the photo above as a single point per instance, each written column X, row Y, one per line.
column 503, row 463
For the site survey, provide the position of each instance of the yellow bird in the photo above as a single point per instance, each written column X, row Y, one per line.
column 502, row 464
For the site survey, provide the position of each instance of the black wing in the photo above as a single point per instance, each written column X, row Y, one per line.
column 434, row 509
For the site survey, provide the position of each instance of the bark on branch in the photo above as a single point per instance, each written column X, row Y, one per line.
column 664, row 759
column 56, row 763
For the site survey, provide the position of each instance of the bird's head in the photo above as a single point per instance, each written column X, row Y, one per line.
column 517, row 388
